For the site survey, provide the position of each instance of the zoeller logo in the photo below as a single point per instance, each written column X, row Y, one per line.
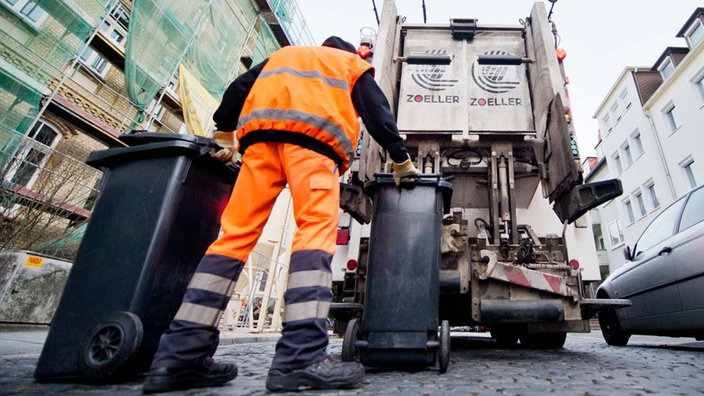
column 492, row 78
column 430, row 77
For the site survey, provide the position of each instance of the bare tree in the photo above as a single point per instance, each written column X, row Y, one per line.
column 45, row 195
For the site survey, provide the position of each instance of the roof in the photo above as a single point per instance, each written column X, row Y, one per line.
column 698, row 13
column 675, row 53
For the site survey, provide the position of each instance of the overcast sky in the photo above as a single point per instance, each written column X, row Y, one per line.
column 601, row 37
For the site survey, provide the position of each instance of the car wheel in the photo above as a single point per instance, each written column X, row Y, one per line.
column 611, row 328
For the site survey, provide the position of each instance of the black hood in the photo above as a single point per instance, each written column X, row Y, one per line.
column 336, row 42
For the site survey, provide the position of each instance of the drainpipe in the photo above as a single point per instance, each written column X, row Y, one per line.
column 661, row 154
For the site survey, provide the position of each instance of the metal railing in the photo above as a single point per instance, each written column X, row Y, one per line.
column 252, row 308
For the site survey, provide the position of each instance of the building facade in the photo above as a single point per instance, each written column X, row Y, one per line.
column 650, row 138
column 68, row 87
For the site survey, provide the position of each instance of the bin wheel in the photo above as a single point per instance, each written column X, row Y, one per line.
column 444, row 350
column 349, row 351
column 109, row 345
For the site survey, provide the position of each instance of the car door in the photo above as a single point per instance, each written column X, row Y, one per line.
column 688, row 257
column 650, row 282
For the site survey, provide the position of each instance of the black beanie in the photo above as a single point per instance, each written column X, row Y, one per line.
column 336, row 42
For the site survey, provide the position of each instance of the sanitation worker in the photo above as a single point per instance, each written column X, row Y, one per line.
column 295, row 116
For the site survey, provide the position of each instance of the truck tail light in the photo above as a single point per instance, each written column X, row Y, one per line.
column 352, row 265
column 364, row 51
column 574, row 263
column 343, row 236
column 561, row 54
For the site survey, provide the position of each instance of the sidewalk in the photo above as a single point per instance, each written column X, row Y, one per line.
column 20, row 348
column 28, row 341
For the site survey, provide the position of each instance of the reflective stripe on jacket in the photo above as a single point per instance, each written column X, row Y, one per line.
column 305, row 90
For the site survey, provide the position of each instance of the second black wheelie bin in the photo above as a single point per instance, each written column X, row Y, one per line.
column 399, row 325
column 159, row 209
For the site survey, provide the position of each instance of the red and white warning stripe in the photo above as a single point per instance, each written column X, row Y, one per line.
column 524, row 277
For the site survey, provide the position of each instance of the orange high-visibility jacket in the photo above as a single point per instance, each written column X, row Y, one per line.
column 305, row 91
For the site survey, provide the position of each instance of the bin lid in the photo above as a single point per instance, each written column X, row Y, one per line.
column 120, row 155
column 424, row 179
column 136, row 138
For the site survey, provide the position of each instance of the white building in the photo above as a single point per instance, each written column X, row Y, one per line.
column 651, row 138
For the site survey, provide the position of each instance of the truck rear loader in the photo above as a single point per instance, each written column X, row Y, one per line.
column 486, row 117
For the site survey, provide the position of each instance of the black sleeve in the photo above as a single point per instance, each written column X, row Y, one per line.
column 228, row 112
column 372, row 106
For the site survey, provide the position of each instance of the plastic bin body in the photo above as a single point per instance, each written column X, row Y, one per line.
column 158, row 211
column 401, row 297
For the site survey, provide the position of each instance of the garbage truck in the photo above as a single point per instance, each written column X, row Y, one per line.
column 485, row 114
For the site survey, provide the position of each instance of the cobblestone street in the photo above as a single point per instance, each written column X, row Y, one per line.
column 585, row 366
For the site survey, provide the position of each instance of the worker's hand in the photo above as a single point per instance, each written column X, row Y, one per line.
column 222, row 155
column 224, row 139
column 404, row 172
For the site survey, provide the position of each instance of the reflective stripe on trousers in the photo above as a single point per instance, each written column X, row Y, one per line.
column 314, row 185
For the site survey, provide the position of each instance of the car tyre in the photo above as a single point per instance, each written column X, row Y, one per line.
column 611, row 328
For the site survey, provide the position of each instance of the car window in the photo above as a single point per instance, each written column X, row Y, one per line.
column 661, row 228
column 694, row 210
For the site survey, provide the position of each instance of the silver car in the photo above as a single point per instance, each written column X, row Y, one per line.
column 663, row 277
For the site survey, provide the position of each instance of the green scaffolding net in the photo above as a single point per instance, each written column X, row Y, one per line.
column 38, row 39
column 209, row 37
column 40, row 44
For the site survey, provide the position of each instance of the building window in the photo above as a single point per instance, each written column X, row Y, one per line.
column 624, row 101
column 615, row 233
column 629, row 210
column 699, row 86
column 666, row 68
column 615, row 113
column 28, row 10
column 672, row 117
column 33, row 154
column 95, row 62
column 637, row 144
column 627, row 158
column 155, row 109
column 653, row 196
column 617, row 163
column 688, row 169
column 640, row 203
column 115, row 26
column 607, row 124
column 695, row 34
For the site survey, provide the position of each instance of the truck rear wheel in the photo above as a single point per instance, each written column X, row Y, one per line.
column 505, row 338
column 544, row 340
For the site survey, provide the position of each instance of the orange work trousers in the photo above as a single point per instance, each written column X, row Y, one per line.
column 267, row 167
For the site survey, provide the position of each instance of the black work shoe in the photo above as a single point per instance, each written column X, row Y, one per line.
column 326, row 374
column 204, row 374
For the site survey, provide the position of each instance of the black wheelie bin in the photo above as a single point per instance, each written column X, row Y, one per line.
column 399, row 326
column 159, row 209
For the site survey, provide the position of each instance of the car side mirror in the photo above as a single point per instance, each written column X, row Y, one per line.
column 627, row 253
